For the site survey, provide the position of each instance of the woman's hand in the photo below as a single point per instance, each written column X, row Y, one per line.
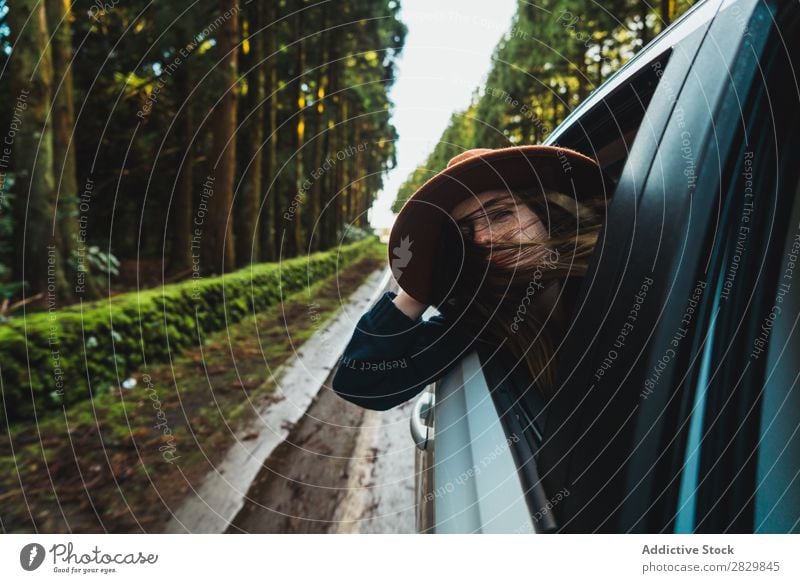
column 408, row 305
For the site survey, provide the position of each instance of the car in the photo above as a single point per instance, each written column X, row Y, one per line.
column 678, row 406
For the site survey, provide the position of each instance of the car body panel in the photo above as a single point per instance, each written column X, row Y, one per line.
column 477, row 489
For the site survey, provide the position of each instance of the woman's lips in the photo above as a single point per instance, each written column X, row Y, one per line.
column 501, row 255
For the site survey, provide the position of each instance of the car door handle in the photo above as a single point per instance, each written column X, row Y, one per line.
column 421, row 423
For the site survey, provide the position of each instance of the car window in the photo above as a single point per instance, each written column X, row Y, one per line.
column 606, row 131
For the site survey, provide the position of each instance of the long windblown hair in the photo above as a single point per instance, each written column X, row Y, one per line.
column 511, row 299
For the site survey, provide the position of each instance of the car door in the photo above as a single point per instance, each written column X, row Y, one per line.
column 617, row 429
column 737, row 470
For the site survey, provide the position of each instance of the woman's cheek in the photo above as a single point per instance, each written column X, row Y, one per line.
column 537, row 231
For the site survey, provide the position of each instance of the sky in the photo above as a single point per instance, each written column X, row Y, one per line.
column 447, row 54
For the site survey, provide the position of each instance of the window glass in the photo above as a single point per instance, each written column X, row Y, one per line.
column 606, row 132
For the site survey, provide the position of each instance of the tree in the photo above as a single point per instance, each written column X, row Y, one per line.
column 31, row 71
column 272, row 200
column 319, row 132
column 59, row 17
column 183, row 201
column 295, row 233
column 218, row 245
column 248, row 200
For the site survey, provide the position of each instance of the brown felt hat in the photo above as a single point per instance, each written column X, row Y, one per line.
column 424, row 228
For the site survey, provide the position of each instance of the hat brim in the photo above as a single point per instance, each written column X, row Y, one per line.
column 420, row 225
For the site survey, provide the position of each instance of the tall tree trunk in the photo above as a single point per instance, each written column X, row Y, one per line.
column 324, row 189
column 358, row 177
column 345, row 186
column 320, row 119
column 183, row 206
column 583, row 79
column 361, row 161
column 218, row 246
column 331, row 143
column 339, row 192
column 601, row 61
column 31, row 71
column 645, row 33
column 273, row 218
column 63, row 115
column 296, row 231
column 667, row 9
column 248, row 203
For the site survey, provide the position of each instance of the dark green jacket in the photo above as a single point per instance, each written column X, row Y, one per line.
column 391, row 358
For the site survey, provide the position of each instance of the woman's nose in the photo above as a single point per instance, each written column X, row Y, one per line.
column 483, row 235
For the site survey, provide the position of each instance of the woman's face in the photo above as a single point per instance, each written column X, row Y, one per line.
column 495, row 216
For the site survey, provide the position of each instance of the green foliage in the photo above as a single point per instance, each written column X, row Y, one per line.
column 65, row 356
column 101, row 266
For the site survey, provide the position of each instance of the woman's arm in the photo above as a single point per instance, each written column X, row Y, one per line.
column 408, row 305
column 393, row 354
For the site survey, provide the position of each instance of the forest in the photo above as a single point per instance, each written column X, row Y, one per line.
column 151, row 142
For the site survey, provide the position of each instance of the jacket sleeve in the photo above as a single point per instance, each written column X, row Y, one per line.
column 390, row 358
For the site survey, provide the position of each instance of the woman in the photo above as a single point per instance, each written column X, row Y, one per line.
column 497, row 242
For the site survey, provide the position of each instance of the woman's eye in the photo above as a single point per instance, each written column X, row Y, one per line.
column 501, row 215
